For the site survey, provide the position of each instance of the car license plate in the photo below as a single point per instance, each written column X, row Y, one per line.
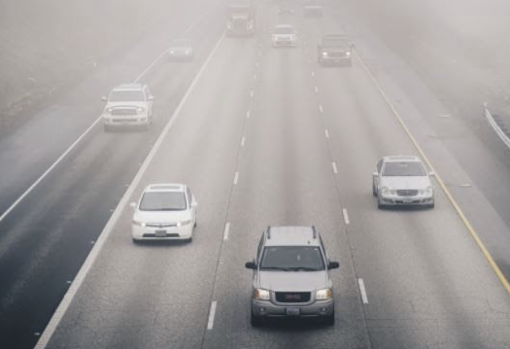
column 293, row 312
column 160, row 233
column 407, row 201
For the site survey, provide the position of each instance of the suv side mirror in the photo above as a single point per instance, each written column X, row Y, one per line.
column 251, row 265
column 104, row 99
column 375, row 174
column 432, row 174
column 333, row 265
column 150, row 98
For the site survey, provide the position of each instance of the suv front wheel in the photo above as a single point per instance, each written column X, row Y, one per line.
column 256, row 321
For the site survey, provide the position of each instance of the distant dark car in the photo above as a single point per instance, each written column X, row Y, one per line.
column 291, row 276
column 180, row 50
column 335, row 49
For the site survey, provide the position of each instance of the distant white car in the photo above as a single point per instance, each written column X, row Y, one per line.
column 164, row 212
column 180, row 50
column 284, row 35
column 402, row 180
column 128, row 105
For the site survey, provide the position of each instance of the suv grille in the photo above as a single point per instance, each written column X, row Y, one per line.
column 292, row 297
column 407, row 192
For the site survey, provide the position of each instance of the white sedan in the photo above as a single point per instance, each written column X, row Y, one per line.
column 164, row 212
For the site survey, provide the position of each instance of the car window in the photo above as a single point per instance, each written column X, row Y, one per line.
column 284, row 30
column 126, row 96
column 163, row 201
column 292, row 258
column 404, row 168
column 379, row 166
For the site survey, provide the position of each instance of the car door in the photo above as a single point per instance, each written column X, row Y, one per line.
column 149, row 98
column 377, row 175
column 191, row 202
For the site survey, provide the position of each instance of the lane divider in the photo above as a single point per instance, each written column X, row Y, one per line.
column 450, row 197
column 363, row 291
column 346, row 216
column 94, row 253
column 226, row 231
column 212, row 313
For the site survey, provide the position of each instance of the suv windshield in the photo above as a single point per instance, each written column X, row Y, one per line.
column 407, row 168
column 163, row 201
column 127, row 96
column 292, row 258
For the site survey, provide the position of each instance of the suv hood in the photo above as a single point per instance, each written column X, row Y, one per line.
column 126, row 104
column 406, row 182
column 292, row 281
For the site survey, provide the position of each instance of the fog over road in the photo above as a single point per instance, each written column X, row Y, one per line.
column 266, row 136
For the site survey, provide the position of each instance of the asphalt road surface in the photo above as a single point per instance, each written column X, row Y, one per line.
column 266, row 136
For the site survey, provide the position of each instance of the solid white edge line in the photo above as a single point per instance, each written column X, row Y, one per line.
column 29, row 190
column 363, row 291
column 94, row 253
column 226, row 231
column 236, row 178
column 333, row 164
column 346, row 216
column 212, row 314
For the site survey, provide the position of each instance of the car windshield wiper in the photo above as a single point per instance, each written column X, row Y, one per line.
column 302, row 269
column 274, row 268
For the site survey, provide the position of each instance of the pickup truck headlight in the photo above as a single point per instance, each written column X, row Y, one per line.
column 138, row 223
column 261, row 294
column 323, row 294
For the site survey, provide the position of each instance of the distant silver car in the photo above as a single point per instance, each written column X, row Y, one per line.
column 128, row 105
column 284, row 35
column 402, row 180
column 180, row 50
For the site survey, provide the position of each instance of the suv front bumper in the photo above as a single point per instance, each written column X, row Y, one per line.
column 268, row 309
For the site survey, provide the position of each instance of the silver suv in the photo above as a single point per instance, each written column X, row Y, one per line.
column 402, row 180
column 128, row 105
column 291, row 276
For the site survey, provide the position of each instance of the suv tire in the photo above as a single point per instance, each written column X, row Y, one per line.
column 256, row 321
column 330, row 320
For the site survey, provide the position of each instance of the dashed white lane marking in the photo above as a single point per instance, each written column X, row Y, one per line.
column 334, row 167
column 313, row 74
column 226, row 231
column 257, row 64
column 260, row 53
column 242, row 141
column 321, row 109
column 94, row 253
column 236, row 178
column 254, row 76
column 316, row 89
column 252, row 93
column 346, row 216
column 364, row 297
column 248, row 114
column 212, row 314
column 326, row 132
column 445, row 116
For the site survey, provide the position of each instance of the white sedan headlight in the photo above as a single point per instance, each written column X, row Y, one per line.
column 183, row 223
column 138, row 223
column 261, row 294
column 323, row 294
column 348, row 53
column 385, row 190
column 324, row 54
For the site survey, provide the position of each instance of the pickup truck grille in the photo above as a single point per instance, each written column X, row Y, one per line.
column 123, row 111
column 292, row 297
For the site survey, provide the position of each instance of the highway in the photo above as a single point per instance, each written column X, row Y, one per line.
column 262, row 136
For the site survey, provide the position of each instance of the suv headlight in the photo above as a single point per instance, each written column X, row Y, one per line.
column 138, row 223
column 261, row 294
column 325, row 293
column 140, row 110
column 180, row 224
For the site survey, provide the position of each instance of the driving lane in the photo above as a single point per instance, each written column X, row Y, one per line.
column 267, row 137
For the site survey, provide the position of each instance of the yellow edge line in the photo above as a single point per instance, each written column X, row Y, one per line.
column 468, row 225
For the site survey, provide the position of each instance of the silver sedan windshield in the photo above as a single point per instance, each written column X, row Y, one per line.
column 163, row 201
column 408, row 168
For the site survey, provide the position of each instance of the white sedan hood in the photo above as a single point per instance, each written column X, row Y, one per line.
column 162, row 217
column 406, row 182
